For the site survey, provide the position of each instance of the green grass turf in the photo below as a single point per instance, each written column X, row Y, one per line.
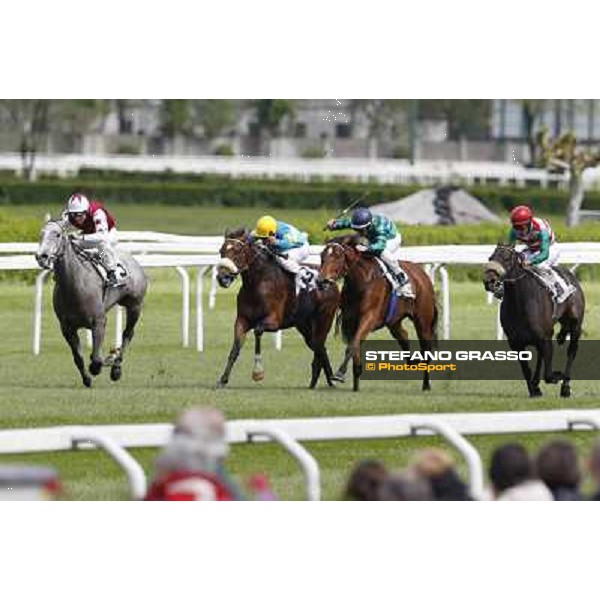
column 185, row 220
column 160, row 377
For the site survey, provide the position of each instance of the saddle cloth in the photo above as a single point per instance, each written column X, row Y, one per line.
column 307, row 280
column 554, row 282
column 93, row 256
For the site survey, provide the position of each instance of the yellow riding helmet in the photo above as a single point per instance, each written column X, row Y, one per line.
column 265, row 227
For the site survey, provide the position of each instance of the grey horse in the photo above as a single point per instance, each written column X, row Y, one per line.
column 81, row 299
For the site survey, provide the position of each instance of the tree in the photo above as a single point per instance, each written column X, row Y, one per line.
column 561, row 155
column 270, row 115
column 176, row 117
column 465, row 118
column 78, row 117
column 382, row 116
column 214, row 116
column 533, row 110
column 31, row 119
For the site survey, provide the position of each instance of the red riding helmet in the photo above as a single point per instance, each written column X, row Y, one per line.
column 521, row 215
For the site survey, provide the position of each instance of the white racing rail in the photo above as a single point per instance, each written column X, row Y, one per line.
column 160, row 250
column 290, row 432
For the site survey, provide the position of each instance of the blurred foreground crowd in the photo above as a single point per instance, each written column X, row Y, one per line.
column 192, row 466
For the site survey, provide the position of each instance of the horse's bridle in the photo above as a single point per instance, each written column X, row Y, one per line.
column 343, row 248
column 50, row 259
column 224, row 262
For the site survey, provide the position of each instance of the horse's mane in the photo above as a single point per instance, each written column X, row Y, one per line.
column 238, row 234
column 350, row 239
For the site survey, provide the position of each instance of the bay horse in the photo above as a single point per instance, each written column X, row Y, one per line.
column 81, row 299
column 364, row 302
column 267, row 301
column 527, row 315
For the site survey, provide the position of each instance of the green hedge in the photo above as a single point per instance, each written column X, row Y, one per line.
column 211, row 190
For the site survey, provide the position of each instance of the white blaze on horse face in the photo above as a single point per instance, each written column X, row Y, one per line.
column 228, row 265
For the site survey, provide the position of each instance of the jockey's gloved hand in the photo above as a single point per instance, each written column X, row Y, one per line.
column 330, row 224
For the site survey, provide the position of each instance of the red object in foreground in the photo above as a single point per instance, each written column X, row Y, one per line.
column 189, row 486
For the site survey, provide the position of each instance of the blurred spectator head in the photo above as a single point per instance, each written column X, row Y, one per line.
column 510, row 466
column 365, row 480
column 594, row 463
column 198, row 442
column 558, row 467
column 407, row 485
column 25, row 482
column 437, row 466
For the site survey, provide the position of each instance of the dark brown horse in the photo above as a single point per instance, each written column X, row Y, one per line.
column 527, row 316
column 267, row 301
column 364, row 302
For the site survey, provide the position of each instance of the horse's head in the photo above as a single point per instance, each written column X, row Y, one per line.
column 236, row 256
column 503, row 262
column 51, row 244
column 336, row 258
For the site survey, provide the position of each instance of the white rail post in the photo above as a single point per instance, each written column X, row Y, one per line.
column 471, row 456
column 118, row 326
column 135, row 474
column 277, row 339
column 445, row 301
column 212, row 296
column 199, row 309
column 37, row 311
column 308, row 464
column 185, row 306
column 499, row 330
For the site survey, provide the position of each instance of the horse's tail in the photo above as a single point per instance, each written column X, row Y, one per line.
column 342, row 328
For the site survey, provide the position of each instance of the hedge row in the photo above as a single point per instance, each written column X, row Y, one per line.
column 211, row 190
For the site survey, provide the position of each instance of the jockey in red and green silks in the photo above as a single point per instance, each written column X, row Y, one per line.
column 542, row 249
column 383, row 241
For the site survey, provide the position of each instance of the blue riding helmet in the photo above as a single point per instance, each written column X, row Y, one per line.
column 361, row 218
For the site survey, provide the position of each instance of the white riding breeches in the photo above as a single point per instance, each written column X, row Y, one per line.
column 106, row 245
column 390, row 255
column 294, row 257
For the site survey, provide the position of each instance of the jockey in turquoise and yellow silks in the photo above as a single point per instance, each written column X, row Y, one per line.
column 383, row 240
column 289, row 244
column 536, row 234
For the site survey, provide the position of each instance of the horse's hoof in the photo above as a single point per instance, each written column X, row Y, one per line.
column 87, row 381
column 258, row 375
column 536, row 393
column 338, row 377
column 95, row 368
column 221, row 384
column 565, row 391
column 115, row 372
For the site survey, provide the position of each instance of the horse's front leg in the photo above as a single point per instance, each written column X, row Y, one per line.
column 364, row 328
column 239, row 335
column 258, row 370
column 72, row 337
column 98, row 330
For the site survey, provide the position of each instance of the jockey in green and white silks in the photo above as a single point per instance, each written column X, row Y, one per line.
column 289, row 244
column 542, row 251
column 536, row 234
column 383, row 241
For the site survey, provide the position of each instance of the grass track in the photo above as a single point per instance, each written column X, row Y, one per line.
column 160, row 378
